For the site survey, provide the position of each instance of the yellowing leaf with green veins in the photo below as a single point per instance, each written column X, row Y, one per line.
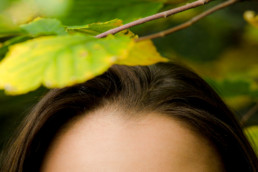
column 252, row 135
column 142, row 53
column 59, row 61
column 251, row 18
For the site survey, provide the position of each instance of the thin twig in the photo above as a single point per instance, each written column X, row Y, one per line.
column 189, row 22
column 249, row 114
column 163, row 14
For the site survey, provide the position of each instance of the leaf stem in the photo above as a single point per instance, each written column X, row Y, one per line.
column 163, row 14
column 189, row 22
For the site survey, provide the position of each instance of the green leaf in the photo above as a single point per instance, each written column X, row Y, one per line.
column 59, row 61
column 233, row 88
column 95, row 28
column 43, row 26
column 142, row 53
column 92, row 11
column 237, row 92
column 251, row 33
column 252, row 135
column 100, row 27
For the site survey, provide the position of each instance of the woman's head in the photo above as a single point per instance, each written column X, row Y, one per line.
column 106, row 140
column 162, row 101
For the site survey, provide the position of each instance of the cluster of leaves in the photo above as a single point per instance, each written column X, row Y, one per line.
column 44, row 51
column 52, row 43
column 70, row 22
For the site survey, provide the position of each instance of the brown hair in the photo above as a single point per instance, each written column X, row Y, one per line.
column 166, row 88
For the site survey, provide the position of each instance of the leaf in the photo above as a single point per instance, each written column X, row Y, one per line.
column 5, row 46
column 237, row 93
column 234, row 87
column 251, row 18
column 95, row 28
column 58, row 61
column 142, row 53
column 252, row 135
column 92, row 11
column 44, row 26
column 251, row 34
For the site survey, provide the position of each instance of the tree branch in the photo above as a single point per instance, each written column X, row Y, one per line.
column 189, row 22
column 249, row 114
column 153, row 17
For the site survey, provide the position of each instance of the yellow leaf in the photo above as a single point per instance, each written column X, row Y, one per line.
column 59, row 61
column 142, row 53
column 251, row 18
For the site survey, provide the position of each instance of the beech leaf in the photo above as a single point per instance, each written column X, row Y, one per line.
column 59, row 61
column 44, row 26
column 100, row 27
column 142, row 53
column 95, row 28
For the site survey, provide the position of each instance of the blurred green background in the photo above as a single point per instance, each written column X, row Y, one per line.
column 222, row 48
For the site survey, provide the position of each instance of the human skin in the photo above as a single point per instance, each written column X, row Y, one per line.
column 108, row 140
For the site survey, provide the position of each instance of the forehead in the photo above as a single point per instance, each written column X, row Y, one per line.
column 105, row 141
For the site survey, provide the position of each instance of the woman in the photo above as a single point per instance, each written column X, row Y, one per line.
column 161, row 117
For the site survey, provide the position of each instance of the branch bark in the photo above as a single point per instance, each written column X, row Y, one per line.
column 189, row 22
column 154, row 17
column 249, row 114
